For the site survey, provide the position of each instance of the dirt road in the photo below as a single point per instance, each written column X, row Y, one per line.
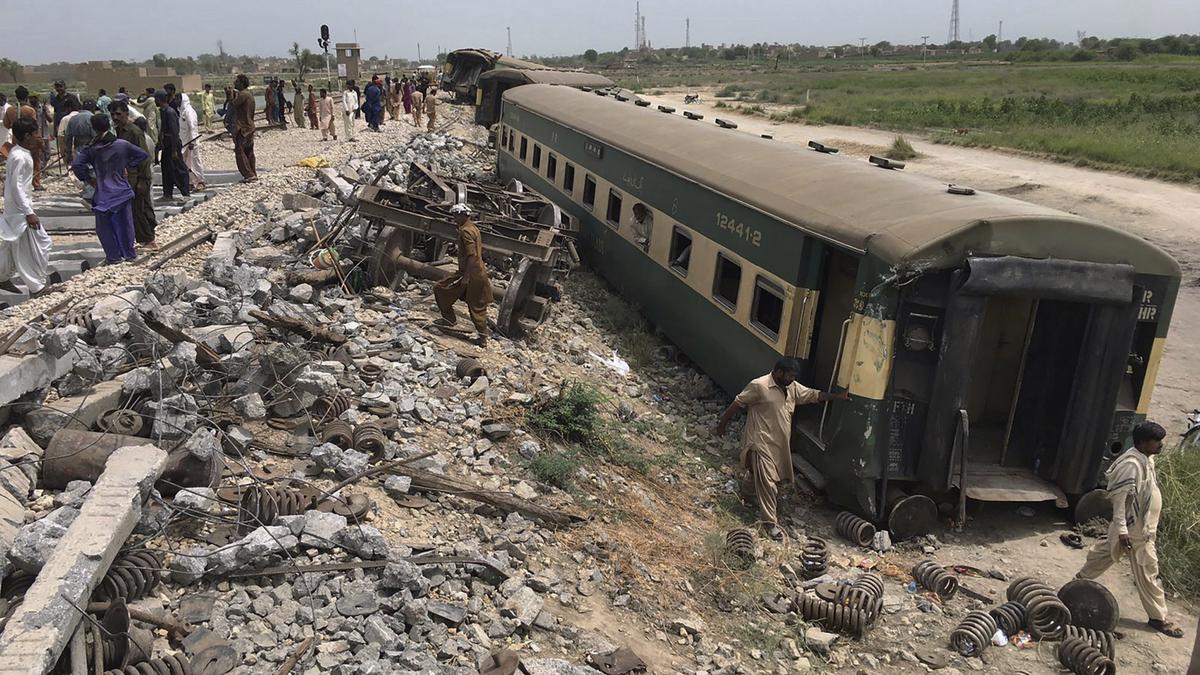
column 1166, row 214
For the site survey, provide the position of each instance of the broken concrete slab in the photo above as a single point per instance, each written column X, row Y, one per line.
column 344, row 190
column 21, row 375
column 73, row 412
column 40, row 629
column 18, row 449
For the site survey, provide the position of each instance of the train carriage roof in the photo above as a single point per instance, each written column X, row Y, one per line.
column 903, row 219
column 570, row 78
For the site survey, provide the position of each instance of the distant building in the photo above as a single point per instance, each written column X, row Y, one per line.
column 349, row 56
column 99, row 75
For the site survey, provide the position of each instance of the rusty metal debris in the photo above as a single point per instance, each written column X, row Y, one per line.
column 973, row 634
column 865, row 594
column 132, row 575
column 1010, row 617
column 74, row 454
column 739, row 546
column 1091, row 604
column 12, row 593
column 1047, row 617
column 931, row 576
column 1082, row 658
column 832, row 616
column 353, row 507
column 814, row 557
column 120, row 421
column 261, row 505
column 123, row 644
column 329, row 408
column 516, row 224
column 469, row 367
column 854, row 528
column 370, row 373
column 370, row 438
column 339, row 433
column 1104, row 641
column 171, row 664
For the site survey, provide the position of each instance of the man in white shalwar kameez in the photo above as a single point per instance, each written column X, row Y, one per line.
column 189, row 128
column 24, row 244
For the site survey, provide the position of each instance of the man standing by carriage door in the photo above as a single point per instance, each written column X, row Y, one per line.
column 766, row 454
column 1136, row 506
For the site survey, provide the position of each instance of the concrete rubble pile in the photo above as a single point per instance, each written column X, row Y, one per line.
column 262, row 528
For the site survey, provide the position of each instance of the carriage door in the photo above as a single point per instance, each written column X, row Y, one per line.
column 835, row 309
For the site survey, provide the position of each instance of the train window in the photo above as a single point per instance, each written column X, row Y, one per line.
column 613, row 215
column 569, row 177
column 551, row 167
column 503, row 137
column 537, row 156
column 524, row 147
column 681, row 251
column 512, row 141
column 767, row 312
column 589, row 191
column 727, row 281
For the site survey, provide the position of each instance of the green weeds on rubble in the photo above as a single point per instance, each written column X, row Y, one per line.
column 1179, row 529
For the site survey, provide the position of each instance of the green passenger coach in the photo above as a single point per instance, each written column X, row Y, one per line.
column 988, row 345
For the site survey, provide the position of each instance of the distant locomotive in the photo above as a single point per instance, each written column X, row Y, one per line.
column 987, row 344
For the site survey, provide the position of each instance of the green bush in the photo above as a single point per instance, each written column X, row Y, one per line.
column 1179, row 528
column 573, row 416
column 556, row 468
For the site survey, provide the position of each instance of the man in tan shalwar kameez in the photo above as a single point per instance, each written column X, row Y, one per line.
column 471, row 283
column 1137, row 505
column 769, row 402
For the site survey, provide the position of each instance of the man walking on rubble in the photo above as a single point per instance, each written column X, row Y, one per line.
column 140, row 177
column 766, row 453
column 349, row 106
column 24, row 244
column 431, row 106
column 325, row 115
column 243, row 129
column 170, row 150
column 106, row 164
column 1136, row 507
column 208, row 107
column 470, row 283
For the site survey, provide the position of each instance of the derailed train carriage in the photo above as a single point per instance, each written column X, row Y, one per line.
column 461, row 71
column 988, row 344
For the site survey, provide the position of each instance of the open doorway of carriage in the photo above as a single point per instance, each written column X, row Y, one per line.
column 834, row 311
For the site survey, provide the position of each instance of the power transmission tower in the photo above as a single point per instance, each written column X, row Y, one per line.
column 509, row 52
column 954, row 24
column 645, row 43
column 687, row 32
column 637, row 27
column 1080, row 35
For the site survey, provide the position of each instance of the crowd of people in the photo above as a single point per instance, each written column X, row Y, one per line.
column 111, row 142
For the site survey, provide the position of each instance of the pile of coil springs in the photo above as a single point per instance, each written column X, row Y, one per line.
column 369, row 438
column 931, row 576
column 1010, row 617
column 739, row 547
column 855, row 529
column 171, row 664
column 854, row 609
column 1104, row 641
column 1046, row 617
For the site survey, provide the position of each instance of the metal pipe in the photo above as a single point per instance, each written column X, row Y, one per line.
column 837, row 364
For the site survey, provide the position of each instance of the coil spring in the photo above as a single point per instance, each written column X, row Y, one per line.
column 120, row 421
column 840, row 618
column 328, row 408
column 261, row 505
column 1102, row 640
column 1082, row 658
column 370, row 373
column 860, row 599
column 132, row 576
column 855, row 529
column 930, row 575
column 739, row 545
column 12, row 594
column 469, row 367
column 974, row 633
column 814, row 558
column 1045, row 615
column 1010, row 617
column 369, row 438
column 339, row 433
column 171, row 664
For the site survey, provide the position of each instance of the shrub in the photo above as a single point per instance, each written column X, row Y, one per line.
column 901, row 149
column 1179, row 528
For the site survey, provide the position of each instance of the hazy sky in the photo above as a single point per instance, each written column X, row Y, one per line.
column 105, row 30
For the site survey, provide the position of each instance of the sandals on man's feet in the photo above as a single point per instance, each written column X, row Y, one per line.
column 1167, row 628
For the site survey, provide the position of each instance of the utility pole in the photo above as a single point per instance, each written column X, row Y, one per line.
column 862, row 47
column 687, row 32
column 1000, row 35
column 924, row 47
column 509, row 52
column 418, row 53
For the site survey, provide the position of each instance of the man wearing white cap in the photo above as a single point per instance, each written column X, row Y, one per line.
column 471, row 283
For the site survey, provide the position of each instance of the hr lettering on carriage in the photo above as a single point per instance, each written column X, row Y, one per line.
column 1149, row 309
column 739, row 229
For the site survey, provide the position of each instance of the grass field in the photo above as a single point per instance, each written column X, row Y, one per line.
column 1143, row 116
